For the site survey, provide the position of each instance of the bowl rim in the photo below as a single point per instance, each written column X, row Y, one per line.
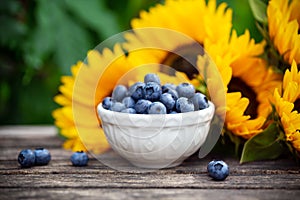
column 117, row 118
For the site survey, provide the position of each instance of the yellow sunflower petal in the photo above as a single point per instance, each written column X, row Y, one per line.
column 291, row 83
column 291, row 92
column 248, row 128
column 80, row 93
column 296, row 140
column 291, row 124
column 62, row 100
column 284, row 104
column 283, row 23
column 199, row 23
column 74, row 145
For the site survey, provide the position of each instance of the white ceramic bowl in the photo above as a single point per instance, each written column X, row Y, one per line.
column 156, row 141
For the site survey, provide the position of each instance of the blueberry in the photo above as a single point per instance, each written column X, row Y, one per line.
column 42, row 156
column 26, row 158
column 218, row 170
column 141, row 106
column 200, row 101
column 157, row 108
column 168, row 86
column 173, row 112
column 185, row 90
column 129, row 110
column 119, row 93
column 107, row 103
column 183, row 105
column 128, row 102
column 79, row 158
column 136, row 91
column 152, row 91
column 168, row 100
column 117, row 107
column 172, row 92
column 152, row 78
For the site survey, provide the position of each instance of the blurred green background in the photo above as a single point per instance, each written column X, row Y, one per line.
column 41, row 39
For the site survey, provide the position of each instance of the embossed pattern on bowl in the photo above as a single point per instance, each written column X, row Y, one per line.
column 156, row 141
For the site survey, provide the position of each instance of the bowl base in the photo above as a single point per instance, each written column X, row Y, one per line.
column 156, row 166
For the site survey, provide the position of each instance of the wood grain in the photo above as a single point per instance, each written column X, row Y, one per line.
column 277, row 179
column 167, row 194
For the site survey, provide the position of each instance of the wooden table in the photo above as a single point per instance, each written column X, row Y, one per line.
column 279, row 179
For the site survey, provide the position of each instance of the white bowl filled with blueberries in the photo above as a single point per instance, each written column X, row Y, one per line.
column 155, row 126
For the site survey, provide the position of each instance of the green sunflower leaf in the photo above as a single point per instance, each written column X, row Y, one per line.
column 57, row 35
column 96, row 16
column 259, row 10
column 266, row 145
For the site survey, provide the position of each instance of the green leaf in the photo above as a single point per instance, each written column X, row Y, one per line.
column 57, row 35
column 95, row 15
column 259, row 10
column 237, row 141
column 266, row 145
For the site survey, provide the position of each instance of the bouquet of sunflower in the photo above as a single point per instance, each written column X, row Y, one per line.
column 260, row 81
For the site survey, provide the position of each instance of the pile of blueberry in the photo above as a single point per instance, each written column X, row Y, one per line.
column 150, row 97
column 41, row 156
column 29, row 158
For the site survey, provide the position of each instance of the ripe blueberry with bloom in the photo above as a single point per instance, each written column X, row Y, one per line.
column 152, row 91
column 128, row 102
column 185, row 90
column 107, row 103
column 218, row 170
column 136, row 91
column 26, row 158
column 149, row 97
column 157, row 108
column 119, row 92
column 142, row 106
column 200, row 101
column 168, row 101
column 117, row 107
column 183, row 105
column 42, row 156
column 79, row 158
column 151, row 78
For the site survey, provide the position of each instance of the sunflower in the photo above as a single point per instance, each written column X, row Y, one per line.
column 159, row 28
column 81, row 92
column 190, row 17
column 64, row 116
column 250, row 88
column 283, row 24
column 248, row 83
column 286, row 108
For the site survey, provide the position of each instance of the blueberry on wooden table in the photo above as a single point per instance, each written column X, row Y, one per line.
column 26, row 158
column 218, row 170
column 79, row 158
column 42, row 156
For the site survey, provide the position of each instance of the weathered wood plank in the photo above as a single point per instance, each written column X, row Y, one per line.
column 277, row 179
column 25, row 131
column 190, row 166
column 28, row 142
column 125, row 194
column 134, row 180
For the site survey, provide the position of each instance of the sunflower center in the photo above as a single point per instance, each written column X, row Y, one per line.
column 184, row 59
column 238, row 85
